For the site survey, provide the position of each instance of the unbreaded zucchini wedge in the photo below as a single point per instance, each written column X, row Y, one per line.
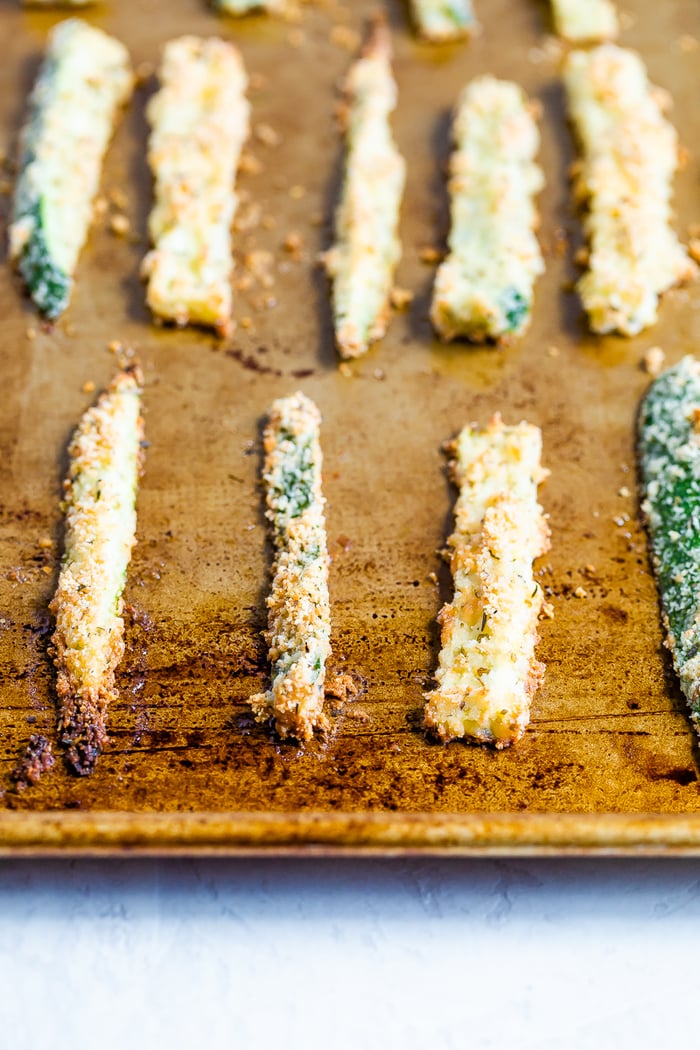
column 584, row 22
column 84, row 79
column 487, row 669
column 669, row 461
column 299, row 624
column 362, row 261
column 484, row 288
column 441, row 20
column 100, row 495
column 630, row 155
column 199, row 122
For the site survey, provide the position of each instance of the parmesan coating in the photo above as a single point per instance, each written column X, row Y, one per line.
column 367, row 249
column 299, row 626
column 199, row 121
column 84, row 79
column 484, row 288
column 441, row 20
column 583, row 22
column 487, row 669
column 100, row 494
column 630, row 154
column 669, row 459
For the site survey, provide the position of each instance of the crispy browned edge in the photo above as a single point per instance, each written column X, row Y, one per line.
column 323, row 834
column 82, row 714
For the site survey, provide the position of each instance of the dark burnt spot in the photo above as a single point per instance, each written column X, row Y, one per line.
column 615, row 614
column 681, row 776
column 251, row 363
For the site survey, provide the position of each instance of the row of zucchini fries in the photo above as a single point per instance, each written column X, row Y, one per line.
column 487, row 671
column 484, row 287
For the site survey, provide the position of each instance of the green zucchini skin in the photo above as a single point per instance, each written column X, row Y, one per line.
column 49, row 285
column 669, row 461
column 83, row 81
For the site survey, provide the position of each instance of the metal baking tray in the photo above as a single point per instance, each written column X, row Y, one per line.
column 609, row 763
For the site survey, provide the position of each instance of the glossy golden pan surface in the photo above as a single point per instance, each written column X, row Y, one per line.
column 610, row 761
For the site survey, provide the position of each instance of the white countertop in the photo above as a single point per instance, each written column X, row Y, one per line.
column 420, row 954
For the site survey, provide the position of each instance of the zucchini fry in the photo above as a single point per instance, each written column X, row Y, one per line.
column 84, row 79
column 487, row 669
column 669, row 460
column 199, row 122
column 484, row 288
column 361, row 264
column 441, row 20
column 580, row 23
column 630, row 154
column 244, row 7
column 299, row 625
column 100, row 494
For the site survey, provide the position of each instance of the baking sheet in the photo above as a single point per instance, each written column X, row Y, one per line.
column 609, row 745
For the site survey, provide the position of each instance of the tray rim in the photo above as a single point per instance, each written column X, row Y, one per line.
column 358, row 834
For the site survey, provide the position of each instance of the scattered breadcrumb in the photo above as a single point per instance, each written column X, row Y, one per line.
column 343, row 36
column 654, row 360
column 580, row 592
column 430, row 255
column 624, row 492
column 401, row 298
column 37, row 759
column 267, row 135
column 688, row 43
column 119, row 225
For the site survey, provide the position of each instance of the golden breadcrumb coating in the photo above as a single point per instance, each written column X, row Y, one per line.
column 100, row 494
column 362, row 262
column 487, row 669
column 484, row 288
column 592, row 20
column 630, row 155
column 299, row 624
column 199, row 121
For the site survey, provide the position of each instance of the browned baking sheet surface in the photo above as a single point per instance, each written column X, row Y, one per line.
column 609, row 733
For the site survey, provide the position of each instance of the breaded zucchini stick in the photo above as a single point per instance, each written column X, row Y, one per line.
column 585, row 21
column 299, row 625
column 669, row 460
column 362, row 262
column 630, row 154
column 84, row 79
column 487, row 669
column 244, row 7
column 199, row 122
column 100, row 494
column 484, row 288
column 57, row 3
column 440, row 20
